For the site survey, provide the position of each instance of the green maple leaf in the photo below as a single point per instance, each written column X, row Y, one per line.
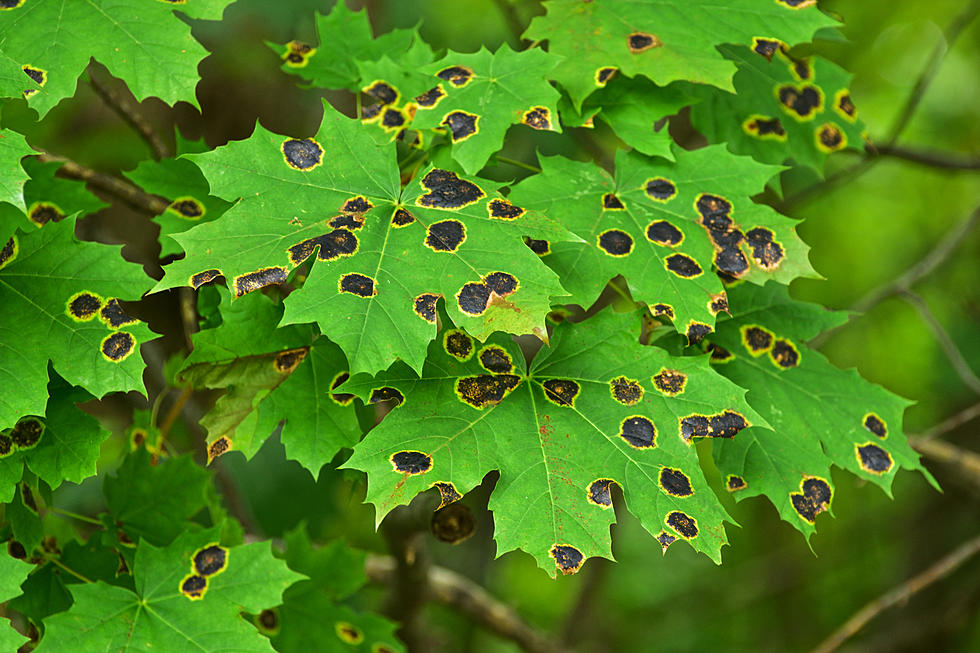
column 595, row 409
column 10, row 639
column 23, row 517
column 345, row 39
column 188, row 596
column 820, row 415
column 62, row 443
column 476, row 97
column 53, row 40
column 154, row 502
column 782, row 108
column 13, row 572
column 183, row 185
column 283, row 375
column 663, row 225
column 66, row 290
column 664, row 40
column 13, row 148
column 52, row 198
column 312, row 609
column 385, row 253
column 14, row 81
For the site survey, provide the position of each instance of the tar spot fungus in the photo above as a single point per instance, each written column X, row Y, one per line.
column 501, row 283
column 639, row 432
column 641, row 42
column 873, row 458
column 461, row 125
column 187, row 208
column 210, row 560
column 665, row 539
column 765, row 47
column 411, row 462
column 735, row 483
column 286, row 361
column 113, row 315
column 445, row 236
column 393, row 119
column 561, row 391
column 337, row 243
column 670, row 382
column 718, row 303
column 268, row 622
column 387, row 393
column 600, row 492
column 456, row 75
column 801, row 69
column 615, row 242
column 117, row 347
column 26, row 433
column 567, row 558
column 302, row 154
column 353, row 221
column 726, row 424
column 371, row 112
column 348, row 633
column 537, row 118
column 425, row 306
column 683, row 266
column 194, row 587
column 457, row 344
column 382, row 91
column 663, row 310
column 341, row 398
column 764, row 128
column 603, row 75
column 297, row 53
column 803, row 507
column 696, row 331
column 844, row 106
column 664, row 233
column 660, row 189
column 9, row 252
column 357, row 204
column 719, row 354
column 431, row 97
column 612, row 203
column 496, row 360
column 295, row 59
column 472, row 298
column 202, row 278
column 715, row 211
column 447, row 493
column 801, row 103
column 797, row 4
column 830, row 138
column 27, row 497
column 876, row 425
column 42, row 213
column 766, row 252
column 357, row 284
column 247, row 283
column 448, row 191
column 818, row 491
column 675, row 482
column 504, row 210
column 485, row 389
column 402, row 218
column 626, row 391
column 83, row 306
column 685, row 525
column 539, row 247
column 10, row 4
column 219, row 447
column 757, row 340
column 784, row 354
column 37, row 74
column 6, row 445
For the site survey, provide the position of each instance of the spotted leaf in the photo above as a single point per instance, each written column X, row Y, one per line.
column 595, row 410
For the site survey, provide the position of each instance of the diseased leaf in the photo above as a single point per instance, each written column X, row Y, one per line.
column 662, row 226
column 188, row 596
column 13, row 572
column 287, row 375
column 595, row 409
column 13, row 148
column 664, row 40
column 385, row 253
column 782, row 109
column 820, row 415
column 52, row 198
column 129, row 37
column 10, row 639
column 59, row 302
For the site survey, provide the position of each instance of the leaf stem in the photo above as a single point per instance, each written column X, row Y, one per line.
column 74, row 515
column 516, row 163
column 61, row 565
column 124, row 190
column 174, row 411
column 128, row 110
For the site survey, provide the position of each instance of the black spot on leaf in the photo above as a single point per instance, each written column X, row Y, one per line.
column 247, row 283
column 685, row 525
column 39, row 75
column 431, row 97
column 383, row 92
column 302, row 154
column 696, row 331
column 458, row 345
column 268, row 622
column 9, row 252
column 194, row 587
column 615, row 242
column 456, row 75
column 735, row 483
column 353, row 221
column 718, row 303
column 187, row 207
column 670, row 382
column 611, row 202
column 84, row 306
column 445, row 236
column 844, row 105
column 341, row 398
column 801, row 69
column 801, row 103
column 206, row 277
column 784, row 354
column 504, row 210
column 118, row 346
column 371, row 112
column 537, row 118
column 387, row 393
column 663, row 310
column 873, row 458
column 425, row 306
column 411, row 462
column 683, row 266
column 757, row 340
column 641, row 42
column 42, row 213
column 402, row 218
column 600, row 492
column 348, row 633
column 876, row 425
column 286, row 361
column 501, row 283
column 764, row 128
column 27, row 496
column 803, row 507
column 462, row 125
column 603, row 75
column 830, row 138
column 6, row 445
column 660, row 189
column 715, row 211
column 567, row 558
column 447, row 493
column 539, row 247
column 337, row 243
column 665, row 539
column 357, row 204
column 766, row 252
column 486, row 389
column 719, row 354
column 765, row 47
column 639, row 432
column 818, row 491
column 495, row 359
column 626, row 391
column 448, row 191
column 26, row 433
column 561, row 391
column 210, row 560
column 219, row 447
column 113, row 315
column 393, row 118
column 726, row 424
column 358, row 284
column 473, row 297
column 675, row 482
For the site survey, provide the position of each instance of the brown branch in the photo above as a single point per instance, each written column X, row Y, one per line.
column 174, row 411
column 128, row 110
column 589, row 597
column 951, row 160
column 900, row 594
column 452, row 589
column 953, row 353
column 124, row 190
column 402, row 530
column 944, row 452
column 949, row 424
column 904, row 282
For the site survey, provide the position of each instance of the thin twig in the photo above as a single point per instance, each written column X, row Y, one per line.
column 950, row 160
column 402, row 530
column 948, row 425
column 579, row 618
column 516, row 163
column 953, row 353
column 128, row 110
column 900, row 594
column 457, row 591
column 60, row 564
column 944, row 452
column 174, row 411
column 74, row 515
column 127, row 192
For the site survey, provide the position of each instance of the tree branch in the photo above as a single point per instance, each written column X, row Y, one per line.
column 953, row 353
column 900, row 594
column 124, row 190
column 452, row 589
column 129, row 111
column 944, row 452
column 949, row 424
column 951, row 160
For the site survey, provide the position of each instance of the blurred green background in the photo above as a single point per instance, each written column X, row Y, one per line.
column 773, row 593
